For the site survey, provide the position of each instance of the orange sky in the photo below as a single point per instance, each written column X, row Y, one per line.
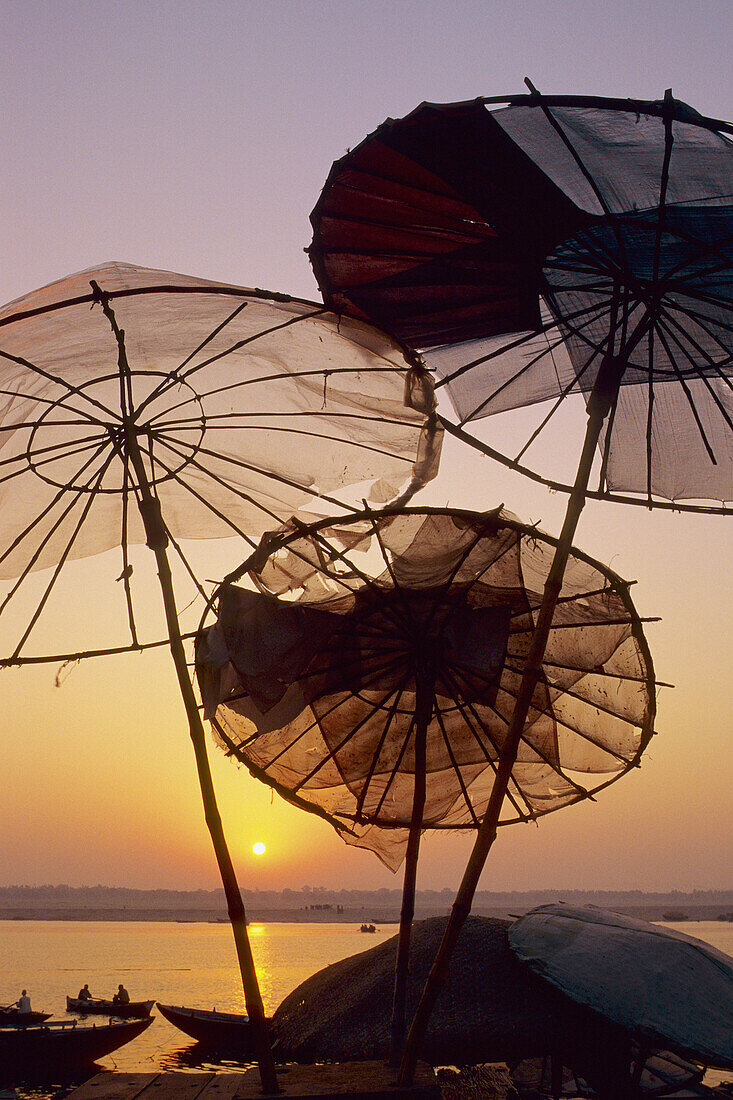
column 195, row 137
column 103, row 786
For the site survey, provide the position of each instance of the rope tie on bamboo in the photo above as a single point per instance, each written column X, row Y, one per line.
column 326, row 374
column 606, row 386
column 155, row 533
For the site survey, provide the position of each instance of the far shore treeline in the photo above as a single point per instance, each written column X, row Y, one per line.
column 321, row 904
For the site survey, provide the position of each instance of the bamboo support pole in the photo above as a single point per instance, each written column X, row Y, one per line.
column 424, row 697
column 157, row 541
column 599, row 404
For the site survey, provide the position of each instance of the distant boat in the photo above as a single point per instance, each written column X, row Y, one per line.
column 222, row 1030
column 12, row 1017
column 95, row 1007
column 368, row 928
column 44, row 1048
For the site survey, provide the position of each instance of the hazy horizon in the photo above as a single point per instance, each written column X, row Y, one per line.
column 62, row 890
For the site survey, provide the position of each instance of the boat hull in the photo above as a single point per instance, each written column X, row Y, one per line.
column 219, row 1030
column 12, row 1018
column 133, row 1010
column 64, row 1046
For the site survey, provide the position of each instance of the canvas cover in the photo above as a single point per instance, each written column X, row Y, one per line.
column 491, row 1008
column 667, row 988
column 311, row 680
column 518, row 245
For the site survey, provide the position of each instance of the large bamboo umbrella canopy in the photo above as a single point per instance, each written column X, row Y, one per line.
column 538, row 247
column 492, row 1009
column 143, row 406
column 373, row 676
column 670, row 990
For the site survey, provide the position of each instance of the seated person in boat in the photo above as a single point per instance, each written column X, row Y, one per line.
column 121, row 997
column 84, row 994
column 24, row 1002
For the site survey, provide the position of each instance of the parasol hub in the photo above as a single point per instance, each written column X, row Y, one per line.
column 427, row 654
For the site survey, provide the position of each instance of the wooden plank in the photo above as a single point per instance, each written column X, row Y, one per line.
column 342, row 1081
column 224, row 1086
column 177, row 1086
column 113, row 1086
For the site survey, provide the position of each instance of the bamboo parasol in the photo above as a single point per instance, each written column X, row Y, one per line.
column 145, row 406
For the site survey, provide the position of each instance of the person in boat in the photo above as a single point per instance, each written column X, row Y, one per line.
column 121, row 997
column 84, row 994
column 23, row 1003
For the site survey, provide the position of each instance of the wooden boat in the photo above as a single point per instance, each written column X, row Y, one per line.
column 11, row 1017
column 221, row 1030
column 96, row 1007
column 62, row 1045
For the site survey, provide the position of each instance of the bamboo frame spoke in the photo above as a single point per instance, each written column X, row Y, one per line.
column 590, row 314
column 273, row 429
column 184, row 375
column 690, row 400
column 39, row 518
column 456, row 767
column 681, row 335
column 250, row 467
column 58, row 569
column 66, row 387
column 361, row 799
column 238, row 493
column 126, row 569
column 374, row 815
column 549, row 713
column 470, row 716
column 84, row 654
column 315, row 724
column 243, row 384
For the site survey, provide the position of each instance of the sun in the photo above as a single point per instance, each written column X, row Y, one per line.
column 259, row 848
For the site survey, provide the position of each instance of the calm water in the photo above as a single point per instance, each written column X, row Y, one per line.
column 176, row 963
column 192, row 964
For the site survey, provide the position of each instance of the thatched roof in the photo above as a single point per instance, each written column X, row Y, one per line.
column 492, row 1008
